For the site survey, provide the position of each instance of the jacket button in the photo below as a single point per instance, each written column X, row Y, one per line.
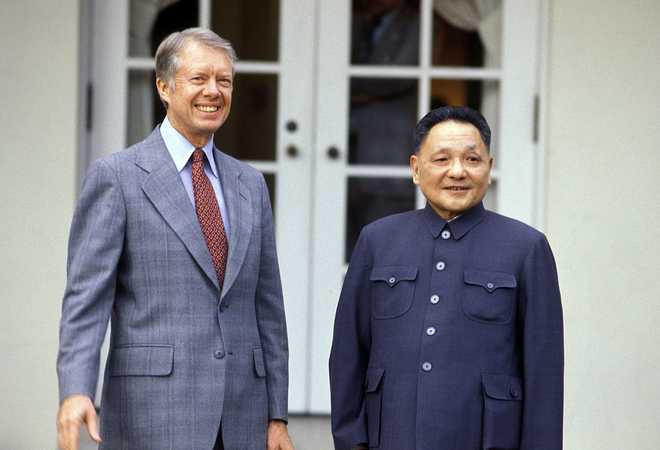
column 446, row 234
column 427, row 366
column 430, row 331
column 391, row 280
column 514, row 392
column 435, row 299
column 490, row 285
column 219, row 354
column 440, row 266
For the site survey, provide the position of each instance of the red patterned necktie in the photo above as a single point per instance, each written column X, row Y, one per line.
column 209, row 216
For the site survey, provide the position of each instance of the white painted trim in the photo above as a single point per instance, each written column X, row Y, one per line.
column 330, row 188
column 294, row 183
column 85, row 55
column 389, row 172
column 540, row 218
column 425, row 34
column 140, row 63
column 516, row 154
column 448, row 73
column 378, row 171
column 109, row 107
column 205, row 13
column 258, row 67
column 424, row 87
column 264, row 166
column 143, row 63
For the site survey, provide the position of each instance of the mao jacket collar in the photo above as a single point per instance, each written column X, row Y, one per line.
column 458, row 227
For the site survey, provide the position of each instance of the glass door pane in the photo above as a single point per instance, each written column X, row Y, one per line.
column 383, row 112
column 250, row 132
column 467, row 33
column 252, row 26
column 150, row 22
column 385, row 32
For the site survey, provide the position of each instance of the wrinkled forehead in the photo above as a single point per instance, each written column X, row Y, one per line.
column 198, row 55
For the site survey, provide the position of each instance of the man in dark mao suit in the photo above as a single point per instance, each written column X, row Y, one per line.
column 173, row 240
column 448, row 333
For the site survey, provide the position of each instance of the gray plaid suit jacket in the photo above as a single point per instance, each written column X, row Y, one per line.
column 184, row 356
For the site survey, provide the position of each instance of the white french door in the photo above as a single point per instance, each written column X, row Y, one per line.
column 479, row 53
column 326, row 95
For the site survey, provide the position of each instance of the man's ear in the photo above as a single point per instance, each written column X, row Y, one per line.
column 414, row 168
column 163, row 89
column 491, row 162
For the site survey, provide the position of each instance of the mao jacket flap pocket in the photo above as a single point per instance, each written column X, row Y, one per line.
column 502, row 387
column 155, row 360
column 393, row 274
column 259, row 367
column 489, row 280
column 374, row 376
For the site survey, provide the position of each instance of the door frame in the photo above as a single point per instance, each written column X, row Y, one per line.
column 308, row 318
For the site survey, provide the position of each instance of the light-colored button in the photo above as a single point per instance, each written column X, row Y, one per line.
column 391, row 280
column 446, row 234
column 490, row 285
column 514, row 392
column 219, row 354
column 427, row 366
column 440, row 266
column 435, row 299
column 430, row 331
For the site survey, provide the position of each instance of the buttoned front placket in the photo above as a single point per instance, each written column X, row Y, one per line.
column 438, row 345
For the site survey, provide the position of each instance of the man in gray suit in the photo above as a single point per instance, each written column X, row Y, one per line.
column 173, row 240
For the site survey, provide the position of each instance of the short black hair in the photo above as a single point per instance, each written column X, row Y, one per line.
column 461, row 114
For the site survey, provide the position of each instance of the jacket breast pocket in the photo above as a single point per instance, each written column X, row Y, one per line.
column 488, row 296
column 142, row 360
column 392, row 290
column 502, row 415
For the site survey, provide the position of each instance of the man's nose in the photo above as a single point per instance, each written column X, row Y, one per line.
column 456, row 169
column 211, row 88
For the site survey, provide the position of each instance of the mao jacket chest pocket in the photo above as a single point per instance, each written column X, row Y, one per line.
column 392, row 290
column 489, row 296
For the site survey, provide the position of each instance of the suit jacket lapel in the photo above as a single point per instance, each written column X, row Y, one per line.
column 164, row 188
column 237, row 198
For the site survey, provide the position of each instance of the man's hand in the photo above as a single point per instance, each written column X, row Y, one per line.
column 278, row 436
column 74, row 411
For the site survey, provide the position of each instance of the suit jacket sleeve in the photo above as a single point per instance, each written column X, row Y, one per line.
column 349, row 356
column 95, row 246
column 270, row 316
column 543, row 351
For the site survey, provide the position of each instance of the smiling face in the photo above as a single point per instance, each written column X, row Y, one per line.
column 199, row 99
column 452, row 168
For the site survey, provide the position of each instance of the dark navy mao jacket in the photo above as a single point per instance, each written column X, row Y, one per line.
column 448, row 336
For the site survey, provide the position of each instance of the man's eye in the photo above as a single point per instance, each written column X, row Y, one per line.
column 225, row 82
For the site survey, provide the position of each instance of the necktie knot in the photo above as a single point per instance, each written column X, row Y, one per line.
column 198, row 156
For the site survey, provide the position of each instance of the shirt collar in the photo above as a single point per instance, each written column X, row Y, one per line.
column 458, row 226
column 181, row 149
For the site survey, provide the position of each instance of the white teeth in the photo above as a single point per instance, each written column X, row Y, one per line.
column 207, row 108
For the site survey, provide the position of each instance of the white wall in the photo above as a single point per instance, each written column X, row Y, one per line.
column 603, row 216
column 602, row 194
column 38, row 88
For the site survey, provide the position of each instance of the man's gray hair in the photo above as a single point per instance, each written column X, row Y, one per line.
column 167, row 55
